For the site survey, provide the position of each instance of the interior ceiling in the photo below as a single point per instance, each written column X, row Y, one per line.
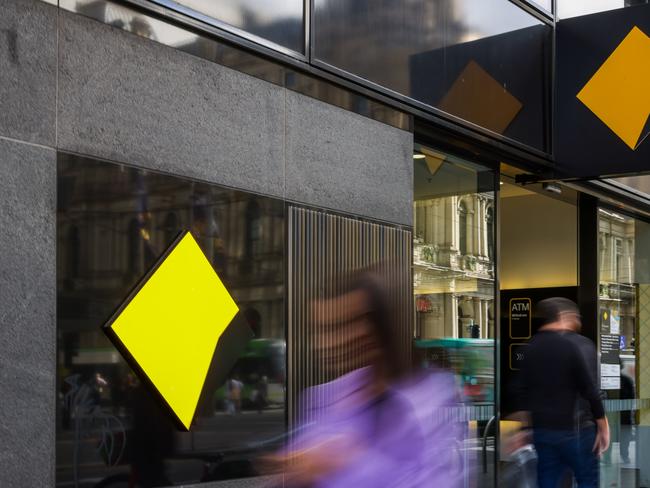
column 510, row 190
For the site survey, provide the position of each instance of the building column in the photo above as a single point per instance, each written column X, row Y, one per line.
column 451, row 315
column 478, row 220
column 427, row 228
column 451, row 222
column 486, row 319
column 478, row 319
column 484, row 227
column 439, row 222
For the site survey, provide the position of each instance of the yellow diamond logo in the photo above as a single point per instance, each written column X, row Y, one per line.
column 171, row 324
column 619, row 92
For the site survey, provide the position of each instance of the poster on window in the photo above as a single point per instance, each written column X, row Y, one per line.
column 610, row 369
column 615, row 322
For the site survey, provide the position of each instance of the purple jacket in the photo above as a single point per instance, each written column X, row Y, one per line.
column 403, row 438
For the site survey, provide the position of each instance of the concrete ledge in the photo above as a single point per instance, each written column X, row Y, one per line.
column 343, row 161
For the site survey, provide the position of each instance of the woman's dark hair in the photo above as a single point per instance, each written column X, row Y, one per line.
column 382, row 318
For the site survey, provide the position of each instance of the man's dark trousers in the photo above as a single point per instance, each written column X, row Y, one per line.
column 560, row 451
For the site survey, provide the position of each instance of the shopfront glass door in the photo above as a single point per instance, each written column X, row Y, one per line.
column 454, row 292
column 624, row 345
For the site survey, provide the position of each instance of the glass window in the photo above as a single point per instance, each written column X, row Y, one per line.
column 454, row 286
column 624, row 301
column 545, row 4
column 485, row 61
column 574, row 8
column 278, row 21
column 113, row 223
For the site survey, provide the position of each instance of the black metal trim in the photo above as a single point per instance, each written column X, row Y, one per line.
column 536, row 10
column 608, row 195
column 309, row 29
column 497, row 321
column 588, row 268
column 551, row 131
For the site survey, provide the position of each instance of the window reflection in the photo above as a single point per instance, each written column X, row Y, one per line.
column 113, row 223
column 481, row 60
column 278, row 21
column 575, row 8
column 454, row 286
column 545, row 4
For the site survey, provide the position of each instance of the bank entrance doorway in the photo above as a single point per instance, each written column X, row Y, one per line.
column 555, row 242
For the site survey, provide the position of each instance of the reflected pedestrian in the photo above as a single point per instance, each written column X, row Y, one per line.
column 627, row 417
column 555, row 375
column 234, row 388
column 261, row 397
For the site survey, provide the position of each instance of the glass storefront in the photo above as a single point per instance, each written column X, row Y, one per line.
column 454, row 287
column 113, row 224
column 624, row 270
column 115, row 221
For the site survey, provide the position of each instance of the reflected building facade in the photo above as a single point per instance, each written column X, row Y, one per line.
column 454, row 266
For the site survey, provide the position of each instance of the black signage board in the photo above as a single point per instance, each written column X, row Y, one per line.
column 609, row 348
column 517, row 355
column 589, row 145
column 610, row 374
column 520, row 318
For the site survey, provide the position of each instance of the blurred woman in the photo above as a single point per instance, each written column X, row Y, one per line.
column 375, row 423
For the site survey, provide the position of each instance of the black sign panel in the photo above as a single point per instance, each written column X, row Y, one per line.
column 600, row 129
column 520, row 318
column 609, row 349
column 610, row 375
column 517, row 355
column 518, row 323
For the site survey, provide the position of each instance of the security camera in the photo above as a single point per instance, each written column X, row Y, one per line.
column 553, row 188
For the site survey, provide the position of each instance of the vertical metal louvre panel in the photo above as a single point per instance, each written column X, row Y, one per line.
column 322, row 248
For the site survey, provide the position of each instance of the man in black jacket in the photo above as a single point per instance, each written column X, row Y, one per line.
column 554, row 377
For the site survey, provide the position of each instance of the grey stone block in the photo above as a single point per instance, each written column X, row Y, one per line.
column 28, row 70
column 129, row 99
column 27, row 314
column 341, row 160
